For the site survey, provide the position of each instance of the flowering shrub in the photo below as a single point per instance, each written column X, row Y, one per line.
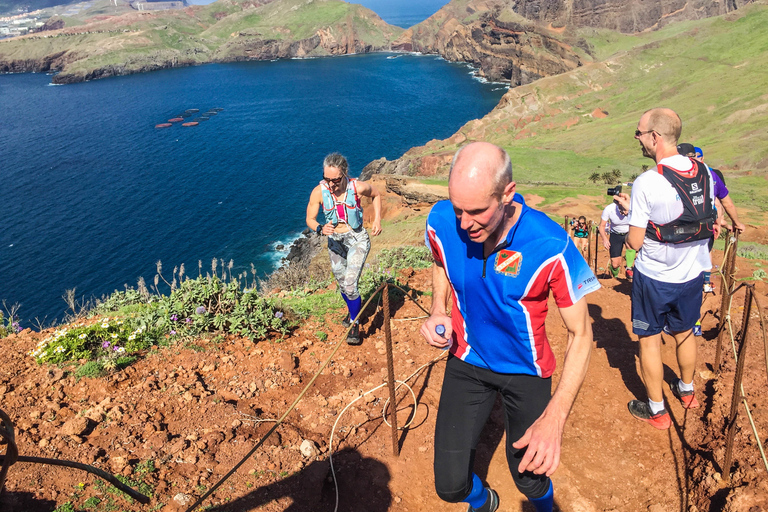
column 194, row 307
column 10, row 325
column 107, row 338
column 210, row 304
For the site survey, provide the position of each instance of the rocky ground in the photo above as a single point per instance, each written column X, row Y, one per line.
column 182, row 417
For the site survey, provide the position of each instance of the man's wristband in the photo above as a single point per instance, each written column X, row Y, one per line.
column 319, row 229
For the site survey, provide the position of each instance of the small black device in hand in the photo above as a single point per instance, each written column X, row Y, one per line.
column 614, row 190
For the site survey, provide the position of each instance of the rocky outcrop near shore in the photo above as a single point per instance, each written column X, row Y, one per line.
column 515, row 51
column 305, row 248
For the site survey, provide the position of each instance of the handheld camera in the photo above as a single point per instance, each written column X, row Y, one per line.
column 614, row 190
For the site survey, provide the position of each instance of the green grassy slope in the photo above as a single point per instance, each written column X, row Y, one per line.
column 713, row 72
column 142, row 41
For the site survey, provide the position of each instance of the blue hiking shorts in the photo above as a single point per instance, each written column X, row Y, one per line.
column 656, row 303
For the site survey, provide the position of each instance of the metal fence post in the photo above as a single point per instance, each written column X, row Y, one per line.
column 726, row 284
column 390, row 373
column 737, row 382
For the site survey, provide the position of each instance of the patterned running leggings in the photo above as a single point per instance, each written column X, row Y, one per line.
column 348, row 252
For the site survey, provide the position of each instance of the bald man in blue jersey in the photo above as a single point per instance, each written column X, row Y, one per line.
column 499, row 260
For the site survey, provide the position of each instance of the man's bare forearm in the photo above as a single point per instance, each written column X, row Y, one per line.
column 440, row 290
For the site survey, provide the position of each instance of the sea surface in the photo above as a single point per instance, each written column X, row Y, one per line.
column 92, row 195
column 403, row 13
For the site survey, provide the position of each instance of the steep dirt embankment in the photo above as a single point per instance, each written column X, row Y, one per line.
column 180, row 418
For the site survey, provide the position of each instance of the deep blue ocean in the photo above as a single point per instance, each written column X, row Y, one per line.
column 403, row 13
column 92, row 195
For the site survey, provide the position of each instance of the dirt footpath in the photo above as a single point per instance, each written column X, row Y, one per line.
column 194, row 411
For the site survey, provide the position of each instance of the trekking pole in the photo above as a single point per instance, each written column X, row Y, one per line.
column 589, row 243
column 565, row 223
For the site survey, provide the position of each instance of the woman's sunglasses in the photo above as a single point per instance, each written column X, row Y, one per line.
column 335, row 181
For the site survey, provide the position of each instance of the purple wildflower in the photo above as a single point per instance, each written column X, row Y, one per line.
column 200, row 310
column 115, row 348
column 174, row 318
column 16, row 326
column 279, row 314
column 105, row 344
column 173, row 333
column 188, row 320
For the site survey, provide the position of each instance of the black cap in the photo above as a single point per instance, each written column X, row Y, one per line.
column 686, row 149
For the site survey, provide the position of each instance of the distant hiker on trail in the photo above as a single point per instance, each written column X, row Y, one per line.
column 499, row 260
column 613, row 240
column 581, row 234
column 671, row 217
column 348, row 241
column 723, row 201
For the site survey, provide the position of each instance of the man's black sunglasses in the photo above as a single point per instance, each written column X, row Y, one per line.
column 638, row 133
column 335, row 181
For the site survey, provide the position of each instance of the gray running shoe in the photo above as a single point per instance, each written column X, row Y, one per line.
column 353, row 338
column 687, row 398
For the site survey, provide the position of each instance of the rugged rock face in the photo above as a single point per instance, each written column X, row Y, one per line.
column 246, row 47
column 518, row 51
column 627, row 16
column 524, row 40
column 54, row 23
column 50, row 62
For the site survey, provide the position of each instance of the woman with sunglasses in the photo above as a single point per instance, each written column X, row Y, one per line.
column 581, row 234
column 348, row 241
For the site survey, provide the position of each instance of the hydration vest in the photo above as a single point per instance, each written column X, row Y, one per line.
column 698, row 218
column 350, row 209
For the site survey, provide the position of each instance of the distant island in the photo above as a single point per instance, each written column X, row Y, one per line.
column 512, row 41
column 147, row 39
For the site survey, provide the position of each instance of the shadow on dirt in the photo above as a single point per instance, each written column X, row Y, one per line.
column 611, row 335
column 490, row 441
column 24, row 502
column 363, row 485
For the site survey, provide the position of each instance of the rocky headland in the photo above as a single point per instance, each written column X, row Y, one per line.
column 226, row 31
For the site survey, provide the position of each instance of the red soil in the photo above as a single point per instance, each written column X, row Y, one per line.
column 197, row 409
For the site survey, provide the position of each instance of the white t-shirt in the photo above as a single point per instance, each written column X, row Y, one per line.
column 619, row 223
column 655, row 199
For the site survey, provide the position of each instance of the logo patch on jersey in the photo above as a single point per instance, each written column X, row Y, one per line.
column 508, row 262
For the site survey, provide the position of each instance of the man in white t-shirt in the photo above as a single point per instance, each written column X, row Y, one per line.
column 667, row 284
column 613, row 239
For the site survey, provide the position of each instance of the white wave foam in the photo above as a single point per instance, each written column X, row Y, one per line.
column 276, row 256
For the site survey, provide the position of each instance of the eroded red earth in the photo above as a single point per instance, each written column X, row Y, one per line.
column 196, row 410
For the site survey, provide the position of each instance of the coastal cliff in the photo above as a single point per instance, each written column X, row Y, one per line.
column 563, row 128
column 225, row 31
column 522, row 41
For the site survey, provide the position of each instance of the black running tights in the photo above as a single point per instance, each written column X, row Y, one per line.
column 466, row 402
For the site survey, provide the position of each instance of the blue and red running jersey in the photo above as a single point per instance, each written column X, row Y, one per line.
column 500, row 302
